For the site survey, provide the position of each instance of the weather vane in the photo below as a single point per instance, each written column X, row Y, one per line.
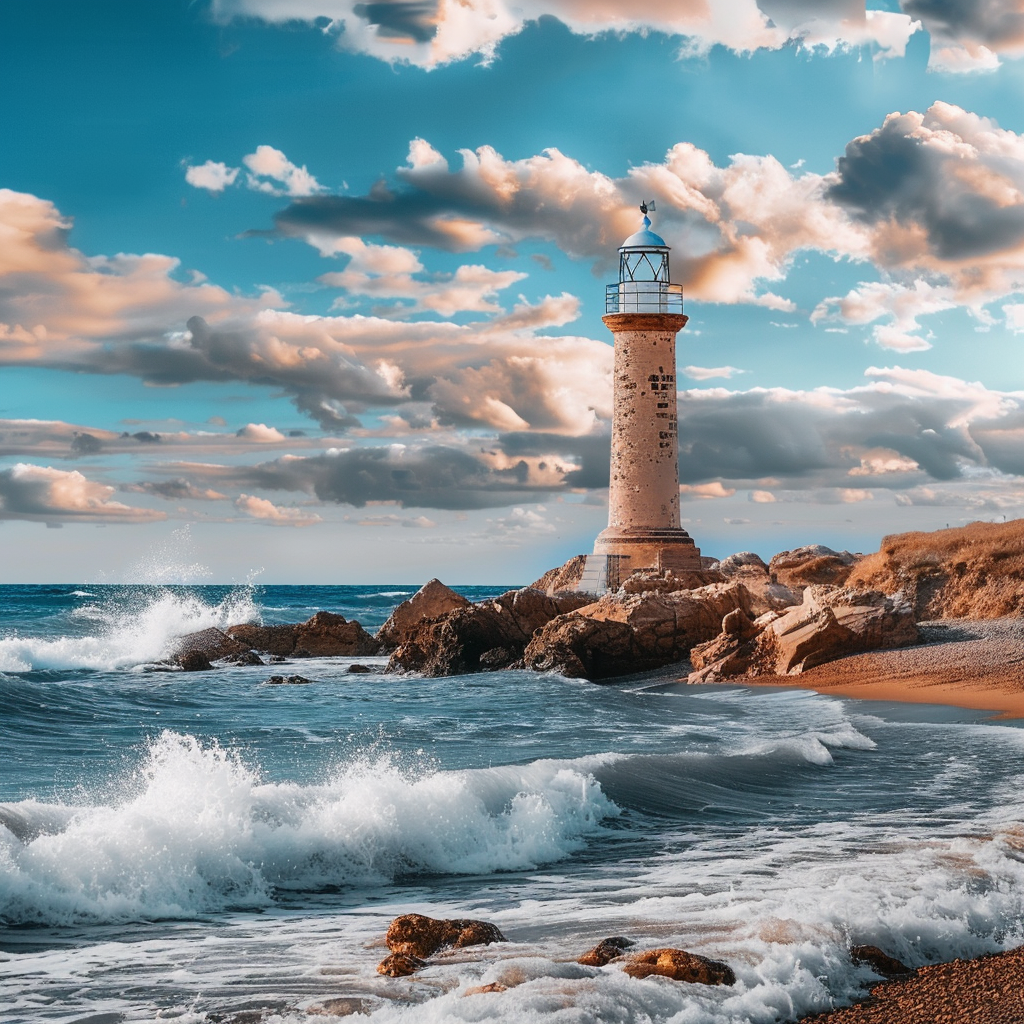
column 646, row 207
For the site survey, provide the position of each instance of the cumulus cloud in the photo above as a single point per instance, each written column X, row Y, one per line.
column 711, row 372
column 48, row 495
column 260, row 433
column 178, row 489
column 970, row 35
column 395, row 272
column 275, row 515
column 214, row 177
column 272, row 172
column 433, row 32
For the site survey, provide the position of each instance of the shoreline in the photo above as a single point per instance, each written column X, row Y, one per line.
column 982, row 990
column 973, row 664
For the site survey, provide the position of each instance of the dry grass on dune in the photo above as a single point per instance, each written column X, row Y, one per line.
column 970, row 572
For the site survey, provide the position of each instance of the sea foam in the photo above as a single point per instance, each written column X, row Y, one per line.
column 131, row 626
column 199, row 832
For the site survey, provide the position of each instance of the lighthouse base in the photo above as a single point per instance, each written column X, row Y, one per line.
column 619, row 552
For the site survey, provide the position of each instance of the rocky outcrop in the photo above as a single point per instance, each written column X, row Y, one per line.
column 325, row 635
column 828, row 624
column 680, row 966
column 810, row 564
column 431, row 601
column 194, row 652
column 485, row 636
column 623, row 633
column 419, row 936
column 562, row 577
column 606, row 951
column 287, row 681
column 972, row 572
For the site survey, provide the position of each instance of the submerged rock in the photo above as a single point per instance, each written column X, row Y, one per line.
column 400, row 965
column 359, row 669
column 606, row 951
column 287, row 681
column 881, row 963
column 420, row 936
column 680, row 966
column 195, row 651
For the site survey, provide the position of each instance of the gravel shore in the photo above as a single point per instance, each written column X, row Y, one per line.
column 983, row 991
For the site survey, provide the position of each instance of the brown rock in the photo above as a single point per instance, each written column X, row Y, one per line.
column 972, row 572
column 881, row 963
column 400, row 965
column 479, row 990
column 432, row 600
column 194, row 661
column 489, row 635
column 812, row 563
column 653, row 581
column 680, row 966
column 287, row 681
column 343, row 1007
column 421, row 936
column 213, row 644
column 323, row 635
column 580, row 647
column 563, row 577
column 606, row 951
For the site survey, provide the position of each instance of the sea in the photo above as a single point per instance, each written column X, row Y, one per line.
column 203, row 846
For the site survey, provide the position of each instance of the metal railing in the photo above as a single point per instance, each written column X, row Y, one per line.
column 643, row 297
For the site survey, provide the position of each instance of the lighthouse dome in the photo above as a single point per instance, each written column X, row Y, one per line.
column 645, row 238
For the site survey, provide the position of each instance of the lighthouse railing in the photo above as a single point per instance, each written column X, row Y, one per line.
column 643, row 297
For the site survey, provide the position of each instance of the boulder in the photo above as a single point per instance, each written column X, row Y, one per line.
column 562, row 577
column 680, row 966
column 606, row 951
column 420, row 936
column 485, row 636
column 213, row 644
column 359, row 669
column 432, row 600
column 668, row 581
column 728, row 567
column 579, row 647
column 193, row 661
column 828, row 624
column 287, row 681
column 812, row 563
column 881, row 963
column 400, row 965
column 324, row 635
column 249, row 658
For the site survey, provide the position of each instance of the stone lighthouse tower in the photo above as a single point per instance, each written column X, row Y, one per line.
column 644, row 312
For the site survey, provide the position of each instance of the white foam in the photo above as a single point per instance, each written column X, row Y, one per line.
column 135, row 626
column 198, row 832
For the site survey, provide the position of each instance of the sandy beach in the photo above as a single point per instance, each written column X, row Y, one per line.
column 963, row 663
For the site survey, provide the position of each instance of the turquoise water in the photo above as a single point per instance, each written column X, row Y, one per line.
column 181, row 846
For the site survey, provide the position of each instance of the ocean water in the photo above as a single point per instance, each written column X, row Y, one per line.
column 190, row 847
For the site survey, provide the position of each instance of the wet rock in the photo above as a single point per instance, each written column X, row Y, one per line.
column 680, row 966
column 322, row 636
column 579, row 647
column 479, row 990
column 359, row 669
column 194, row 661
column 489, row 635
column 241, row 660
column 881, row 963
column 812, row 563
column 213, row 644
column 400, row 965
column 431, row 601
column 606, row 951
column 287, row 681
column 421, row 936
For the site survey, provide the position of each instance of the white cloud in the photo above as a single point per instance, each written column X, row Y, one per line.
column 214, row 177
column 45, row 494
column 260, row 433
column 711, row 372
column 266, row 511
column 271, row 163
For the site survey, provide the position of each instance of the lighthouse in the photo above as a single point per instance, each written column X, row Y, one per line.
column 644, row 312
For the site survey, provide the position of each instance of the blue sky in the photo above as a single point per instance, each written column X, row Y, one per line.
column 258, row 307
